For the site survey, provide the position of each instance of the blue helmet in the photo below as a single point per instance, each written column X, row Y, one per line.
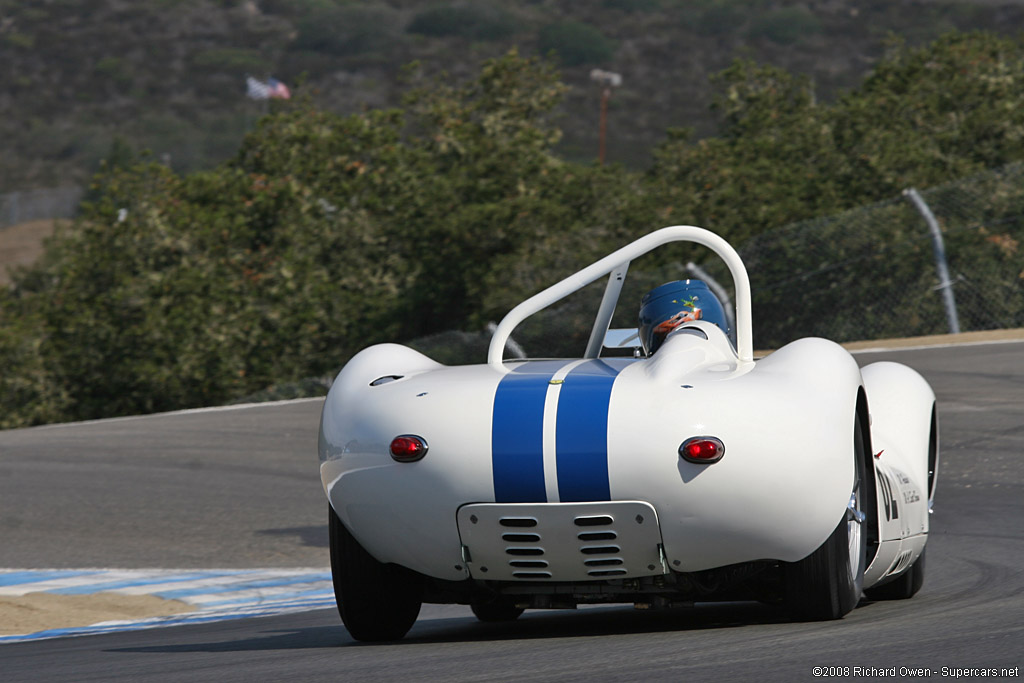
column 665, row 308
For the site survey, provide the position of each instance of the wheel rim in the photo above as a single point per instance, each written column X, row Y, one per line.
column 855, row 519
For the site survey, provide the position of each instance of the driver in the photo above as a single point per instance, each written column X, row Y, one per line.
column 665, row 308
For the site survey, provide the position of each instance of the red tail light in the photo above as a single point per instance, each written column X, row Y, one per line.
column 408, row 448
column 702, row 450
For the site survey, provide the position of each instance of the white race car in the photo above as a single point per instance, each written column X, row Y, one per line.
column 685, row 472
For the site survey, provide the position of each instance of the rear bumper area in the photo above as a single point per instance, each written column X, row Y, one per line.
column 561, row 541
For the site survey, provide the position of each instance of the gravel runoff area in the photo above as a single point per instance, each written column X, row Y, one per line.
column 40, row 611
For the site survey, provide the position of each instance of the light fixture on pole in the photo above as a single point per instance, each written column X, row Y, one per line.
column 607, row 80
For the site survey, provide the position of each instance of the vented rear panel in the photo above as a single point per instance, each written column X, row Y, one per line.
column 561, row 541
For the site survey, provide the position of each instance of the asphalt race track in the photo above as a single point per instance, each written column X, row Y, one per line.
column 239, row 488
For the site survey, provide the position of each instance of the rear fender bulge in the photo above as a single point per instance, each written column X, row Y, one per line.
column 902, row 406
column 351, row 389
column 405, row 512
column 785, row 480
column 905, row 442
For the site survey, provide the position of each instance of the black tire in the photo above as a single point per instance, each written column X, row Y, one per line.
column 376, row 601
column 500, row 608
column 827, row 584
column 904, row 586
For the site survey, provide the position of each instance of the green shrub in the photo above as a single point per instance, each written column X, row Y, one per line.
column 293, row 9
column 115, row 69
column 785, row 26
column 328, row 233
column 477, row 22
column 346, row 31
column 231, row 59
column 324, row 235
column 631, row 6
column 576, row 43
column 24, row 41
column 30, row 392
column 719, row 19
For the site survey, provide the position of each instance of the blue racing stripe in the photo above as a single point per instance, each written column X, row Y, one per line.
column 581, row 432
column 517, row 434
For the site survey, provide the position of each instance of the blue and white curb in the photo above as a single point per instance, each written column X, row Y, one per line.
column 217, row 594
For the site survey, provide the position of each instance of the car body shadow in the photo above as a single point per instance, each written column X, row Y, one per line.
column 591, row 622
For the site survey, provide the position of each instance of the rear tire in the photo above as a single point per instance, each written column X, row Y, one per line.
column 500, row 608
column 827, row 583
column 376, row 601
column 903, row 587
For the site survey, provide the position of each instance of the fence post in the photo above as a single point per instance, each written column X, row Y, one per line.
column 720, row 292
column 512, row 345
column 12, row 208
column 939, row 248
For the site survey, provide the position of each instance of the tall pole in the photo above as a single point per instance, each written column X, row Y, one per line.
column 607, row 80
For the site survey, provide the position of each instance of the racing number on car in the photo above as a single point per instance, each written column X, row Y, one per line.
column 888, row 499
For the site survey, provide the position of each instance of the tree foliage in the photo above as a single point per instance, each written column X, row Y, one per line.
column 478, row 21
column 923, row 117
column 326, row 233
column 576, row 43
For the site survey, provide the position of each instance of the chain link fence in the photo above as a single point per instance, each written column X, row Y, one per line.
column 871, row 273
column 868, row 273
column 31, row 205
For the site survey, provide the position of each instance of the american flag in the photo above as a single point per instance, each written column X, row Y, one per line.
column 272, row 89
